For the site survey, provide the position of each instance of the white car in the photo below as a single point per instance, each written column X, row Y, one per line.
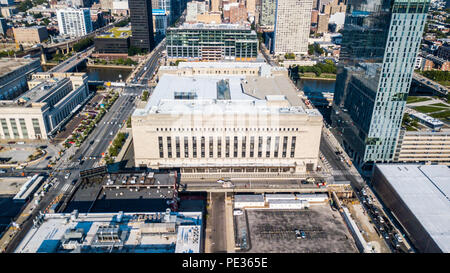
column 237, row 212
column 67, row 176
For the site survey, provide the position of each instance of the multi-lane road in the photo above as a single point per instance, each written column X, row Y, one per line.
column 90, row 152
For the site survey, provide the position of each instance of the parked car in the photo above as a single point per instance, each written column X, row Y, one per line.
column 237, row 212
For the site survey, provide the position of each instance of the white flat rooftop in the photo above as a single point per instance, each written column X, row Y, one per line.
column 201, row 94
column 425, row 189
column 249, row 198
column 48, row 237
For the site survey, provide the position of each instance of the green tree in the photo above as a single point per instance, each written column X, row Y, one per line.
column 132, row 50
column 289, row 56
column 83, row 44
column 145, row 95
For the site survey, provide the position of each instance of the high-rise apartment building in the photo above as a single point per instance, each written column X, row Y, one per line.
column 292, row 24
column 74, row 22
column 379, row 48
column 267, row 15
column 141, row 24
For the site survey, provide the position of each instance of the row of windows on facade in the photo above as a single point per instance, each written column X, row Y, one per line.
column 235, row 144
column 23, row 126
column 226, row 129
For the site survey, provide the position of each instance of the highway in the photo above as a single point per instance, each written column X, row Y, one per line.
column 430, row 83
column 73, row 61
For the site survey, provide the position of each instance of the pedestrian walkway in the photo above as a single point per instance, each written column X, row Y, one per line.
column 229, row 224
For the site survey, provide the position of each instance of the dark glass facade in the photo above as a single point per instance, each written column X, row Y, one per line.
column 141, row 24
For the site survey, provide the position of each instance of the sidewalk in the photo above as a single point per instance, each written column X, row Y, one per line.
column 229, row 224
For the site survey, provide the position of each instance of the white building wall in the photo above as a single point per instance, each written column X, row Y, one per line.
column 74, row 22
column 292, row 26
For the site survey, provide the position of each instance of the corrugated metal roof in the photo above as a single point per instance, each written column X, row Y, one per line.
column 249, row 198
column 425, row 190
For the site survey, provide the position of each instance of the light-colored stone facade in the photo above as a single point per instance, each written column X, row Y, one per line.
column 425, row 147
column 30, row 35
column 42, row 110
column 248, row 126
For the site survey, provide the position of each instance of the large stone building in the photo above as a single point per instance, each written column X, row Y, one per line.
column 43, row 109
column 14, row 74
column 212, row 42
column 222, row 119
column 30, row 35
column 423, row 146
column 292, row 25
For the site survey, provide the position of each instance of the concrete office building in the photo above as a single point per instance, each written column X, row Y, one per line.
column 418, row 197
column 39, row 112
column 292, row 24
column 74, row 22
column 235, row 13
column 322, row 23
column 216, row 5
column 227, row 118
column 141, row 24
column 106, row 4
column 379, row 48
column 210, row 18
column 210, row 42
column 14, row 74
column 267, row 15
column 195, row 8
column 423, row 146
column 30, row 35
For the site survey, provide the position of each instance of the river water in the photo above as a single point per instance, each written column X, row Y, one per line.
column 310, row 86
column 316, row 90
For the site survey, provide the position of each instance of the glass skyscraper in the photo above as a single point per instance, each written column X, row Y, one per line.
column 380, row 42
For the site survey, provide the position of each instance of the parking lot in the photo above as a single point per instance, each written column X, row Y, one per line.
column 274, row 231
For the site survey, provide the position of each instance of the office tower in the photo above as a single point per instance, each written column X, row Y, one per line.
column 292, row 23
column 379, row 48
column 267, row 15
column 74, row 22
column 141, row 24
